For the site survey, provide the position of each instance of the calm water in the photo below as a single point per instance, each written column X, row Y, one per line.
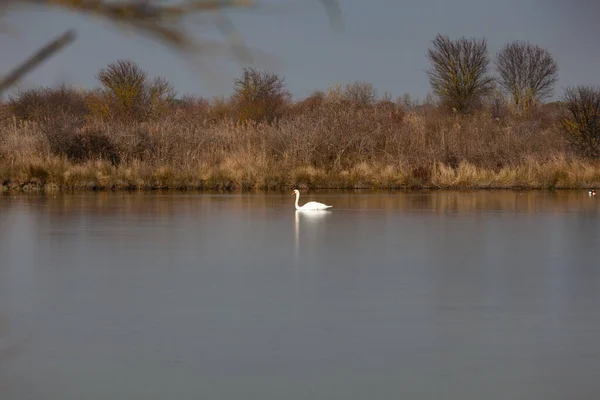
column 472, row 295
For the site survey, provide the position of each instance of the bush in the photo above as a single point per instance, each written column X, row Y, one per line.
column 129, row 94
column 260, row 96
column 219, row 109
column 45, row 103
column 309, row 104
column 581, row 119
column 78, row 145
column 496, row 105
column 359, row 93
column 140, row 145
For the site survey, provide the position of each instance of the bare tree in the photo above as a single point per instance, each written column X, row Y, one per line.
column 260, row 95
column 458, row 74
column 360, row 93
column 581, row 121
column 125, row 80
column 131, row 93
column 527, row 72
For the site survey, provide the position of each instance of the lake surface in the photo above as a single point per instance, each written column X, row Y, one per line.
column 425, row 295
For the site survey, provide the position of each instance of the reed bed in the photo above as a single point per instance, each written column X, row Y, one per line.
column 324, row 141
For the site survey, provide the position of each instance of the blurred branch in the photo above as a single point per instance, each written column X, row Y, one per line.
column 334, row 12
column 161, row 22
column 39, row 57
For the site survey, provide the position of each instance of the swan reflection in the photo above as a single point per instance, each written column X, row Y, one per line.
column 311, row 215
column 306, row 217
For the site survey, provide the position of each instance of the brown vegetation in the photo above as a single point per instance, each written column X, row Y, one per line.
column 581, row 119
column 258, row 138
column 260, row 96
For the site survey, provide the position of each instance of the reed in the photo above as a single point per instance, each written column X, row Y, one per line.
column 328, row 148
column 55, row 139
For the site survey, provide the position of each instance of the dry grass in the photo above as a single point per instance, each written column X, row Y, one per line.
column 558, row 172
column 326, row 141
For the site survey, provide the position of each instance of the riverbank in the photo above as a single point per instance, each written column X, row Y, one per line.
column 56, row 140
column 55, row 174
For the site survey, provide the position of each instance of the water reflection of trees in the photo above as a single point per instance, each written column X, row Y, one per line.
column 472, row 201
column 137, row 204
column 158, row 204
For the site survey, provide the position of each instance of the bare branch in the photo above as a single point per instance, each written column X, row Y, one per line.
column 334, row 12
column 164, row 23
column 526, row 72
column 39, row 57
column 260, row 95
column 360, row 93
column 459, row 71
column 581, row 121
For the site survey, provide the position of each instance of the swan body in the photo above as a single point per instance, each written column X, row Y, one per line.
column 311, row 205
column 592, row 192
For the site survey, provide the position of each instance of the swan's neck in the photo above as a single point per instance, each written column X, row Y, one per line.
column 297, row 197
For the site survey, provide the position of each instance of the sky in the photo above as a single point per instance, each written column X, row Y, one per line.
column 383, row 42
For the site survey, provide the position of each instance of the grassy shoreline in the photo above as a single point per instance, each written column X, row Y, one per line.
column 56, row 175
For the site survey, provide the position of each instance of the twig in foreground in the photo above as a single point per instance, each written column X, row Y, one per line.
column 39, row 57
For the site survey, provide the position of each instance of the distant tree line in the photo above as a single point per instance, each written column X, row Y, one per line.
column 460, row 77
column 526, row 73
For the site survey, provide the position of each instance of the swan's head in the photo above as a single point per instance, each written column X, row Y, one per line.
column 295, row 192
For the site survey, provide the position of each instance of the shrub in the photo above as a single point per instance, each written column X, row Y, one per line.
column 359, row 93
column 129, row 94
column 496, row 105
column 260, row 96
column 309, row 104
column 45, row 103
column 140, row 145
column 220, row 109
column 581, row 119
column 77, row 145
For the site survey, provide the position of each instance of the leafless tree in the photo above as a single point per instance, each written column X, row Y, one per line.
column 260, row 95
column 458, row 74
column 131, row 93
column 581, row 121
column 123, row 75
column 527, row 72
column 360, row 93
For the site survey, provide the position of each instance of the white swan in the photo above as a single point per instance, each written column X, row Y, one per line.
column 311, row 205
